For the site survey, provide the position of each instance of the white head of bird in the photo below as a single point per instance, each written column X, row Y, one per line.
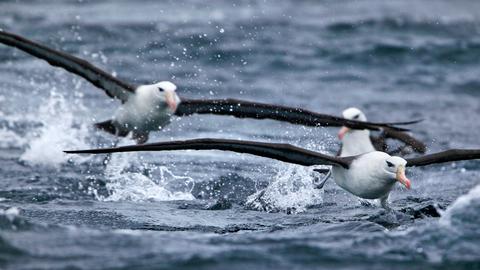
column 351, row 114
column 355, row 142
column 162, row 93
column 395, row 169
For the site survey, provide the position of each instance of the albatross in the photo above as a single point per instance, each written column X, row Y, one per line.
column 370, row 175
column 360, row 141
column 150, row 107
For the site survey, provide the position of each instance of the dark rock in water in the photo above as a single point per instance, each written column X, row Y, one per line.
column 423, row 212
column 240, row 227
column 393, row 218
column 232, row 187
column 423, row 207
column 220, row 204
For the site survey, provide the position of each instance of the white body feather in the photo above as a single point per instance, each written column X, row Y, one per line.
column 143, row 111
column 366, row 177
column 356, row 142
column 146, row 110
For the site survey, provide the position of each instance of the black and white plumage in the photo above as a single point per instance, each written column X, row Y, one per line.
column 144, row 108
column 370, row 175
column 358, row 141
column 147, row 108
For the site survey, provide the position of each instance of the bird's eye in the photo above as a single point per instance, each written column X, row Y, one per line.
column 389, row 164
column 356, row 116
column 160, row 89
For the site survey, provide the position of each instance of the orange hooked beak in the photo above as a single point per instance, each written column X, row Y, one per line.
column 342, row 132
column 171, row 101
column 402, row 178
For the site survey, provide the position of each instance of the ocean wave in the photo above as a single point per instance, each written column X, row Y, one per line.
column 8, row 252
column 454, row 238
column 452, row 52
column 404, row 23
column 463, row 212
column 468, row 87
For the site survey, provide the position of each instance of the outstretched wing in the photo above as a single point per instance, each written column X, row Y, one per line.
column 445, row 156
column 406, row 138
column 248, row 109
column 387, row 133
column 113, row 87
column 283, row 152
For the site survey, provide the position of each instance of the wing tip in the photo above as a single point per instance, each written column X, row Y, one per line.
column 398, row 128
column 78, row 151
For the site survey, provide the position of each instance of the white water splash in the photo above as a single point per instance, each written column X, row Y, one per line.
column 292, row 190
column 133, row 186
column 58, row 131
column 462, row 204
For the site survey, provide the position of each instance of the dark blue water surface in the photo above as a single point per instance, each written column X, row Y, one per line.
column 396, row 60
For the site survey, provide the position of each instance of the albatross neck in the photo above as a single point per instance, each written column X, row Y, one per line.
column 356, row 142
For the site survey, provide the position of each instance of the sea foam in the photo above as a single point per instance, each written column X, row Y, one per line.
column 160, row 184
column 291, row 190
column 59, row 130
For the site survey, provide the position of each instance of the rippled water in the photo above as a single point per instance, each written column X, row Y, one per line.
column 396, row 60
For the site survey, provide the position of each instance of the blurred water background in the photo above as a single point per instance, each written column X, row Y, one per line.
column 396, row 60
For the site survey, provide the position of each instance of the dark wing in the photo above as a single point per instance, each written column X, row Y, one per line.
column 416, row 145
column 445, row 156
column 248, row 109
column 112, row 86
column 400, row 123
column 380, row 142
column 283, row 152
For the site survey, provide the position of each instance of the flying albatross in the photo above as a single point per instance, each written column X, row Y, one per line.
column 147, row 108
column 369, row 176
